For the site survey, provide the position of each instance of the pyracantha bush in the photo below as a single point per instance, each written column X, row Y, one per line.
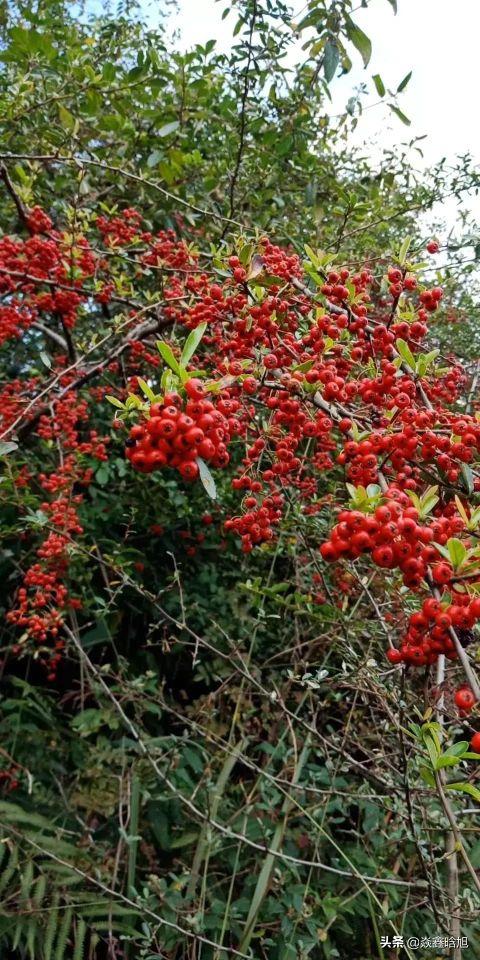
column 308, row 382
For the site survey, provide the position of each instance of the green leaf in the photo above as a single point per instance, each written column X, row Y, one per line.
column 427, row 776
column 428, row 502
column 185, row 840
column 456, row 551
column 402, row 256
column 443, row 550
column 359, row 40
column 144, row 387
column 467, row 477
column 457, row 749
column 331, row 59
column 168, row 128
column 191, row 343
column 207, row 479
column 67, row 119
column 399, row 113
column 432, row 749
column 102, row 475
column 379, row 85
column 7, row 446
column 393, row 4
column 465, row 787
column 115, row 402
column 133, row 403
column 403, row 84
column 154, row 158
column 446, row 762
column 167, row 354
column 45, row 359
column 406, row 354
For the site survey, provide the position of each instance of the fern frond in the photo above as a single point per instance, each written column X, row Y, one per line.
column 51, row 928
column 63, row 933
column 80, row 934
column 10, row 869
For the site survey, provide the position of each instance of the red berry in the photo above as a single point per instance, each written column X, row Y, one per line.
column 465, row 699
column 194, row 388
column 475, row 742
column 394, row 655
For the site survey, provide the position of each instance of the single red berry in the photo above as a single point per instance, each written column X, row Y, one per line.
column 475, row 742
column 194, row 388
column 394, row 655
column 465, row 699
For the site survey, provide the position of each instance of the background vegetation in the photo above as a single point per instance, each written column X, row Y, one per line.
column 247, row 714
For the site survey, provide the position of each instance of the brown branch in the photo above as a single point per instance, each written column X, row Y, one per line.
column 22, row 210
column 80, row 160
column 45, row 281
column 51, row 334
column 139, row 333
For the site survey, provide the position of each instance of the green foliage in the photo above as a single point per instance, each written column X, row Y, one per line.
column 263, row 704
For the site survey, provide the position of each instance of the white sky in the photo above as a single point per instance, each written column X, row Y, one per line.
column 437, row 39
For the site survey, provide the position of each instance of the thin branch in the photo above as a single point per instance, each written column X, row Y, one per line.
column 79, row 160
column 21, row 208
column 243, row 113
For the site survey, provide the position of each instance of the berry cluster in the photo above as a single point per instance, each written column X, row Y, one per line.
column 428, row 633
column 256, row 525
column 394, row 537
column 176, row 434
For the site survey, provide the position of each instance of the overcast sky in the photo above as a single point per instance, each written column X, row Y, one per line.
column 437, row 39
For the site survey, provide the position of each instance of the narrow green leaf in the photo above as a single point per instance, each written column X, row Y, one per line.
column 144, row 387
column 403, row 84
column 7, row 446
column 465, row 787
column 379, row 85
column 46, row 360
column 457, row 749
column 441, row 549
column 331, row 59
column 192, row 343
column 167, row 354
column 154, row 158
column 406, row 354
column 207, row 479
column 400, row 114
column 115, row 402
column 432, row 750
column 427, row 776
column 446, row 762
column 360, row 40
column 168, row 128
column 402, row 256
column 133, row 403
column 467, row 477
column 67, row 119
column 185, row 840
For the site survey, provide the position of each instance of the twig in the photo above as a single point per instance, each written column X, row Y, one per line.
column 79, row 160
column 21, row 208
column 243, row 114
